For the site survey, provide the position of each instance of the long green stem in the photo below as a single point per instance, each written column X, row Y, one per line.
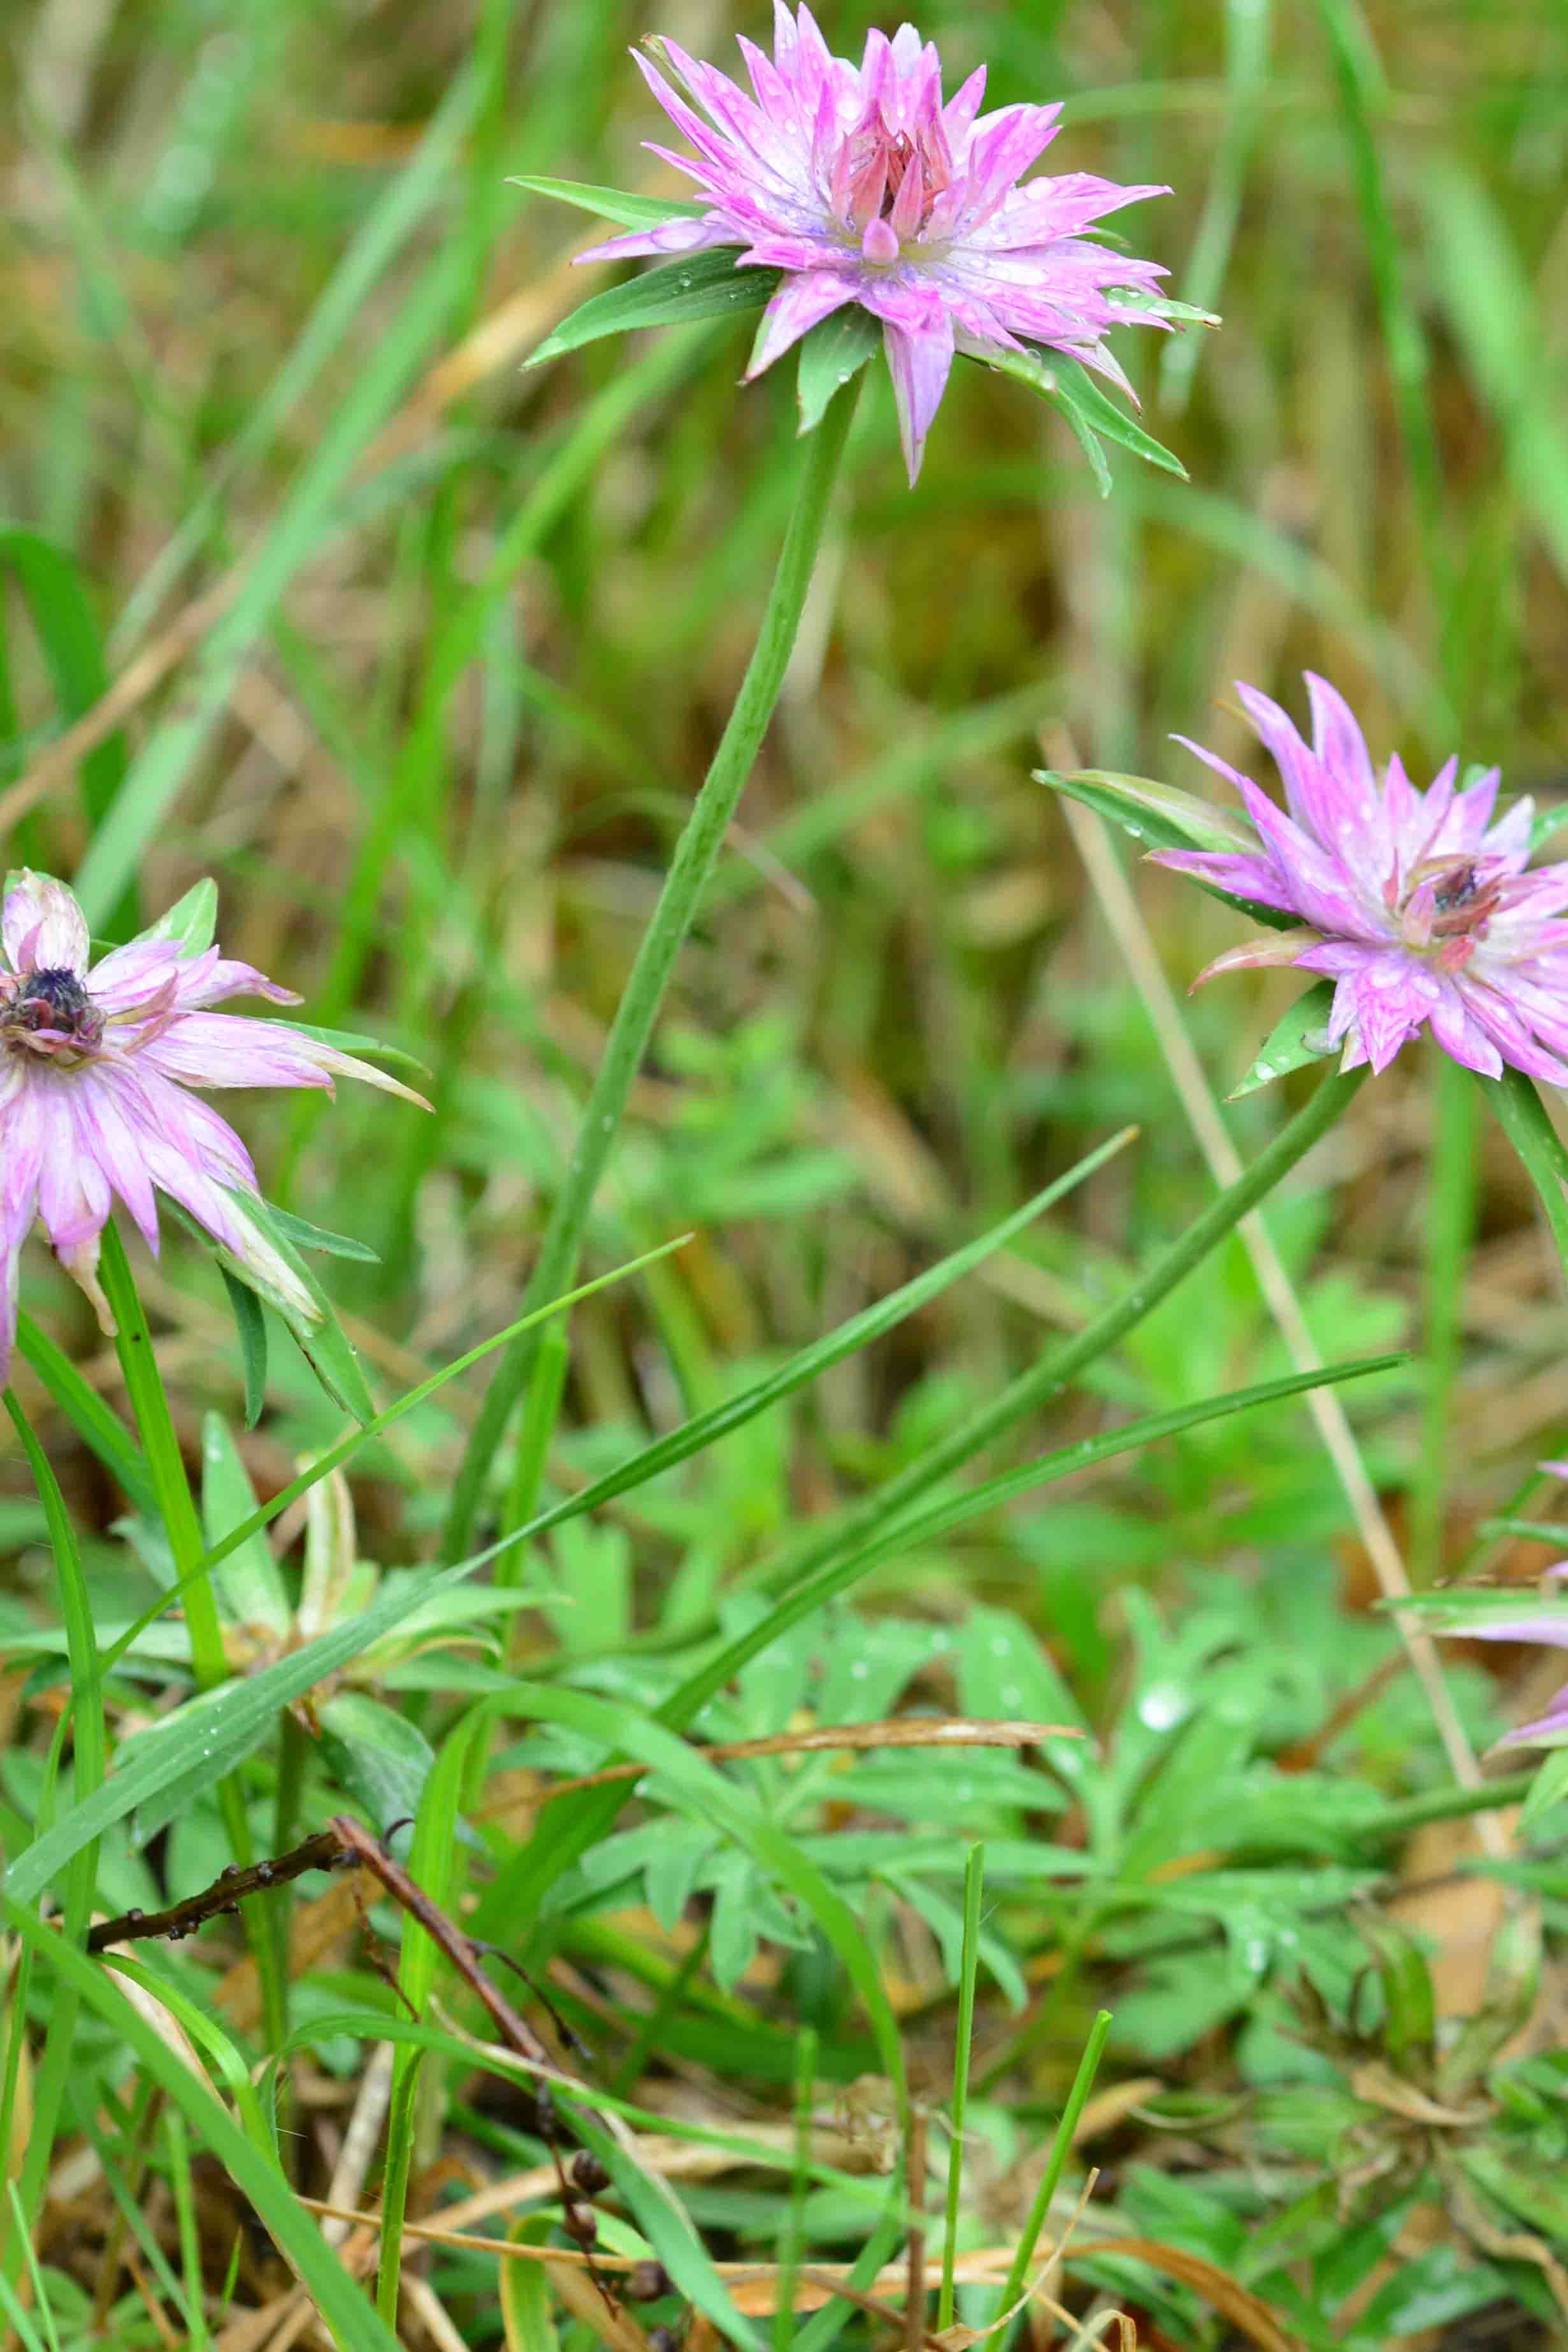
column 633, row 1025
column 187, row 1546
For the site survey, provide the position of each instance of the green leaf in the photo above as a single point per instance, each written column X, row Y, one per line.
column 1296, row 1038
column 349, row 1041
column 190, row 922
column 382, row 1759
column 1522, row 1117
column 1072, row 389
column 1549, row 821
column 1548, row 1789
column 326, row 1349
column 833, row 352
column 1156, row 812
column 1526, row 2187
column 295, row 2233
column 250, row 1329
column 305, row 1235
column 249, row 1580
column 698, row 286
column 1168, row 818
column 610, row 203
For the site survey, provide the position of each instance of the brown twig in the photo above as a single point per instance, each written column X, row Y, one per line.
column 325, row 1851
column 896, row 1731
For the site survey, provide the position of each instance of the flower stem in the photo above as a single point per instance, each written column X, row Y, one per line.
column 187, row 1546
column 693, row 861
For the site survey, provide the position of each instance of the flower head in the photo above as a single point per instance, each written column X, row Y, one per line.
column 1417, row 905
column 863, row 187
column 95, row 1064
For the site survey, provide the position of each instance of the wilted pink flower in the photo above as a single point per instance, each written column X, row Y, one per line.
column 1418, row 905
column 94, row 1065
column 861, row 187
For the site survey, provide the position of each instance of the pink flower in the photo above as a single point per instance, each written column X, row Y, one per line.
column 863, row 187
column 94, row 1068
column 1416, row 904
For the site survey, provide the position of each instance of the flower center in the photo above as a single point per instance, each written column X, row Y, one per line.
column 886, row 183
column 50, row 1012
column 1446, row 907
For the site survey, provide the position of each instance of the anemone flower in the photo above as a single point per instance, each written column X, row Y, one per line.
column 95, row 1061
column 1416, row 905
column 863, row 187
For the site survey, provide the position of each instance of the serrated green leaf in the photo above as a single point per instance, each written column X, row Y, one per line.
column 697, row 285
column 1298, row 1037
column 610, row 203
column 833, row 352
column 250, row 1578
column 250, row 1329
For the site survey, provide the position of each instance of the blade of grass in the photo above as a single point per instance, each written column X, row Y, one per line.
column 89, row 1760
column 968, row 1968
column 1060, row 2148
column 354, row 2322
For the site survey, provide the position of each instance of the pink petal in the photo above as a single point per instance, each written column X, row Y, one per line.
column 42, row 928
column 918, row 364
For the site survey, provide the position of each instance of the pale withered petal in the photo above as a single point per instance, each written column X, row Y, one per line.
column 95, row 1064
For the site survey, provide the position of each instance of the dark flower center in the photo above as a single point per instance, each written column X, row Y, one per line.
column 55, row 1003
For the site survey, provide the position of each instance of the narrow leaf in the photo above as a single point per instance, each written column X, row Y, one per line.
column 698, row 286
column 610, row 203
column 250, row 1329
column 1299, row 1036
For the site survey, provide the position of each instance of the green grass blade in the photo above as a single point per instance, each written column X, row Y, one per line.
column 355, row 2324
